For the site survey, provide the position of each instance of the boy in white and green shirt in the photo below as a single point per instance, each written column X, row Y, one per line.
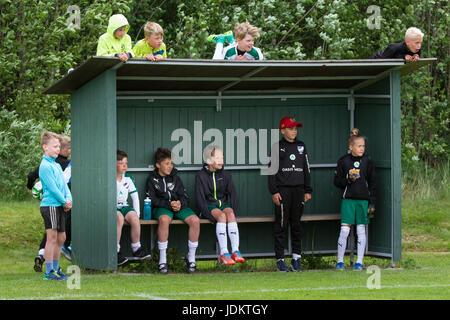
column 241, row 49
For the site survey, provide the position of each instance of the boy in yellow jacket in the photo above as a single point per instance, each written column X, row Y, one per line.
column 152, row 46
column 116, row 42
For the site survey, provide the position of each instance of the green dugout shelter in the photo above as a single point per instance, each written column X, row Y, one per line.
column 184, row 105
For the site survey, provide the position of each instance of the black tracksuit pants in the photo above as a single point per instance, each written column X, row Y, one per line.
column 289, row 212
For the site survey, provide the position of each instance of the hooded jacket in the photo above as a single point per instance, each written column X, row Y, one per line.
column 163, row 190
column 109, row 45
column 214, row 189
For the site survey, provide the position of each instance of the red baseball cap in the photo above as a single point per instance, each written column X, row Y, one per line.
column 289, row 122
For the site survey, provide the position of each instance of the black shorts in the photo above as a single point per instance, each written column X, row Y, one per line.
column 54, row 218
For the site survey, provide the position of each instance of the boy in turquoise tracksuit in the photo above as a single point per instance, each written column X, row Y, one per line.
column 56, row 200
column 116, row 42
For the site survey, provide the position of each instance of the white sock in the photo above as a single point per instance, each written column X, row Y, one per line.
column 296, row 256
column 135, row 246
column 192, row 246
column 41, row 252
column 361, row 232
column 162, row 246
column 221, row 233
column 233, row 233
column 342, row 242
column 218, row 53
column 118, row 248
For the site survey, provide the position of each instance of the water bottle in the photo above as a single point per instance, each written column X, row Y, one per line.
column 147, row 208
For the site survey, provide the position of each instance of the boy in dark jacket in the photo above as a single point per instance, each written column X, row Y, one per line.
column 355, row 176
column 290, row 188
column 409, row 49
column 217, row 199
column 169, row 200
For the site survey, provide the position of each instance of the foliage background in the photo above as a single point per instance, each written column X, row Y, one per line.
column 37, row 48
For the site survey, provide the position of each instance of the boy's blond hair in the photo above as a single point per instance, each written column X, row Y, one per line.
column 46, row 136
column 413, row 32
column 241, row 29
column 64, row 141
column 153, row 28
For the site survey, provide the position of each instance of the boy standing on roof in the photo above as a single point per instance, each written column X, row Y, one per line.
column 290, row 188
column 116, row 42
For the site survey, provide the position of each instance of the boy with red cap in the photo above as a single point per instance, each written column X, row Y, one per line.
column 290, row 187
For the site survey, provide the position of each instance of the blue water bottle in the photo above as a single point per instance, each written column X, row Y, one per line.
column 147, row 209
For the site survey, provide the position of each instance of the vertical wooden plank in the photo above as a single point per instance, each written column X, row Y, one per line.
column 396, row 166
column 93, row 112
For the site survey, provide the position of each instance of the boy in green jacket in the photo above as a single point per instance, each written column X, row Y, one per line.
column 116, row 42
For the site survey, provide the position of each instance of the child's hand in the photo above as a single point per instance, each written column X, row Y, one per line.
column 158, row 57
column 307, row 197
column 415, row 57
column 123, row 57
column 241, row 58
column 150, row 57
column 276, row 198
column 176, row 205
column 67, row 206
column 371, row 209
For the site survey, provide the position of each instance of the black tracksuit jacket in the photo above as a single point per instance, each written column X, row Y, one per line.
column 293, row 168
column 394, row 51
column 364, row 187
column 163, row 190
column 214, row 189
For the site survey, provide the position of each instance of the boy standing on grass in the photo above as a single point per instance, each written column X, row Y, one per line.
column 169, row 200
column 291, row 189
column 217, row 199
column 355, row 176
column 116, row 42
column 125, row 186
column 152, row 46
column 56, row 200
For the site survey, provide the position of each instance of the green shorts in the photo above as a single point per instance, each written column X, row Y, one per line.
column 124, row 210
column 183, row 214
column 354, row 211
column 224, row 206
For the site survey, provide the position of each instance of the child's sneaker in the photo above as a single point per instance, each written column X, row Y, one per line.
column 51, row 276
column 226, row 259
column 229, row 37
column 66, row 253
column 139, row 253
column 38, row 262
column 190, row 266
column 216, row 38
column 121, row 259
column 237, row 257
column 163, row 269
column 282, row 266
column 339, row 266
column 295, row 264
column 358, row 267
column 60, row 274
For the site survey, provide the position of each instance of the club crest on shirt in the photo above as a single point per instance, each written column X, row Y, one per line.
column 170, row 186
column 292, row 157
column 356, row 164
column 300, row 149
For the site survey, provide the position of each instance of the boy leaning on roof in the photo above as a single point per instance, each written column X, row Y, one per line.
column 116, row 42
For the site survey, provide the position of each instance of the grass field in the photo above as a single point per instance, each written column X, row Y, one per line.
column 424, row 272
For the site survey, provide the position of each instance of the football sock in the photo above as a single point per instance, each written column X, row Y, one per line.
column 55, row 264
column 296, row 256
column 118, row 248
column 135, row 246
column 41, row 252
column 233, row 233
column 48, row 267
column 221, row 232
column 192, row 247
column 342, row 242
column 361, row 232
column 162, row 246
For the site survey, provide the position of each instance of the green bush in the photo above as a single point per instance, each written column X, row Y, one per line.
column 20, row 152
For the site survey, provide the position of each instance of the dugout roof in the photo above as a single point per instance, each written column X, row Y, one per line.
column 188, row 75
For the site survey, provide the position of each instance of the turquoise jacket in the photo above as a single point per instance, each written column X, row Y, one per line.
column 56, row 191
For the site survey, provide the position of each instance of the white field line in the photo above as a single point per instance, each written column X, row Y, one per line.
column 214, row 292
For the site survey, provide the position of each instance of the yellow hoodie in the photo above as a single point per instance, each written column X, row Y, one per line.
column 108, row 44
